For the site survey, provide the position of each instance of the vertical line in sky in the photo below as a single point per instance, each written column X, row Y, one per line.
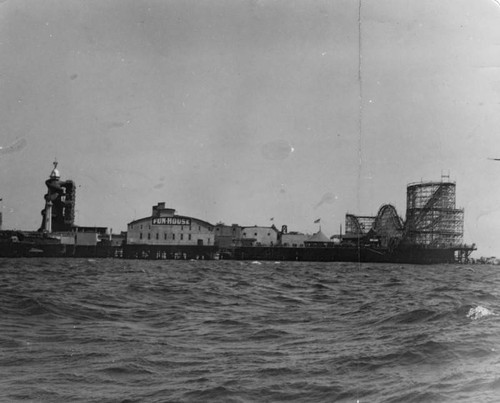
column 360, row 122
column 360, row 111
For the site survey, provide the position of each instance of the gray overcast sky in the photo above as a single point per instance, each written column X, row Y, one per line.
column 239, row 111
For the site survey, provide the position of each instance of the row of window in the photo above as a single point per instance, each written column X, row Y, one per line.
column 165, row 236
column 182, row 227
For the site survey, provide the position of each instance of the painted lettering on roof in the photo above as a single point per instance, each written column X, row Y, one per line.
column 171, row 221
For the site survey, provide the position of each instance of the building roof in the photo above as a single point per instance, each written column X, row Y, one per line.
column 319, row 237
column 262, row 227
column 149, row 218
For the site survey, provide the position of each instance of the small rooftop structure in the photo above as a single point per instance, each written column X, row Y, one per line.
column 55, row 173
column 318, row 240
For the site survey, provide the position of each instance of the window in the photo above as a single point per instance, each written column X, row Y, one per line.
column 157, row 235
column 173, row 236
column 189, row 237
column 199, row 227
column 140, row 235
column 149, row 235
column 182, row 237
column 255, row 234
column 165, row 236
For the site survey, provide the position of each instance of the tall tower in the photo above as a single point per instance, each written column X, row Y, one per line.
column 431, row 215
column 58, row 214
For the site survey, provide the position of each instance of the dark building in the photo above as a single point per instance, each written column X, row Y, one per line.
column 227, row 236
column 59, row 213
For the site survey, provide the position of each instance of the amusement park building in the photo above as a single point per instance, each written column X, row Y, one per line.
column 164, row 227
column 260, row 236
column 227, row 236
column 294, row 239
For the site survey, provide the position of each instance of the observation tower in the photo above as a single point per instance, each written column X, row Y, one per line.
column 58, row 214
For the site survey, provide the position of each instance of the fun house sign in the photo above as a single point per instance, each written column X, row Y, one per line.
column 171, row 221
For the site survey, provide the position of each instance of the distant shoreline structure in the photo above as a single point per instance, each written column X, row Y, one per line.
column 432, row 233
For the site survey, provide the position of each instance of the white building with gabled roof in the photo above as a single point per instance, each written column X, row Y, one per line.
column 259, row 236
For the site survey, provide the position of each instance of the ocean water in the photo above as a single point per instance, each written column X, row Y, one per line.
column 91, row 330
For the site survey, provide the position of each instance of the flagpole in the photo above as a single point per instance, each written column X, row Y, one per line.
column 318, row 221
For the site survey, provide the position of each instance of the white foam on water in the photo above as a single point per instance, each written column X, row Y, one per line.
column 479, row 312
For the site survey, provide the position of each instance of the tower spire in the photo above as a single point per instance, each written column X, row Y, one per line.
column 55, row 172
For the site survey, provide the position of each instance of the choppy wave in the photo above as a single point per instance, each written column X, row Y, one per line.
column 115, row 330
column 479, row 312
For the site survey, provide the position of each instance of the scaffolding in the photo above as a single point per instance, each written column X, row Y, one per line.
column 356, row 225
column 432, row 218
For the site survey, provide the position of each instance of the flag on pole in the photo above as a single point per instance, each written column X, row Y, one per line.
column 317, row 221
